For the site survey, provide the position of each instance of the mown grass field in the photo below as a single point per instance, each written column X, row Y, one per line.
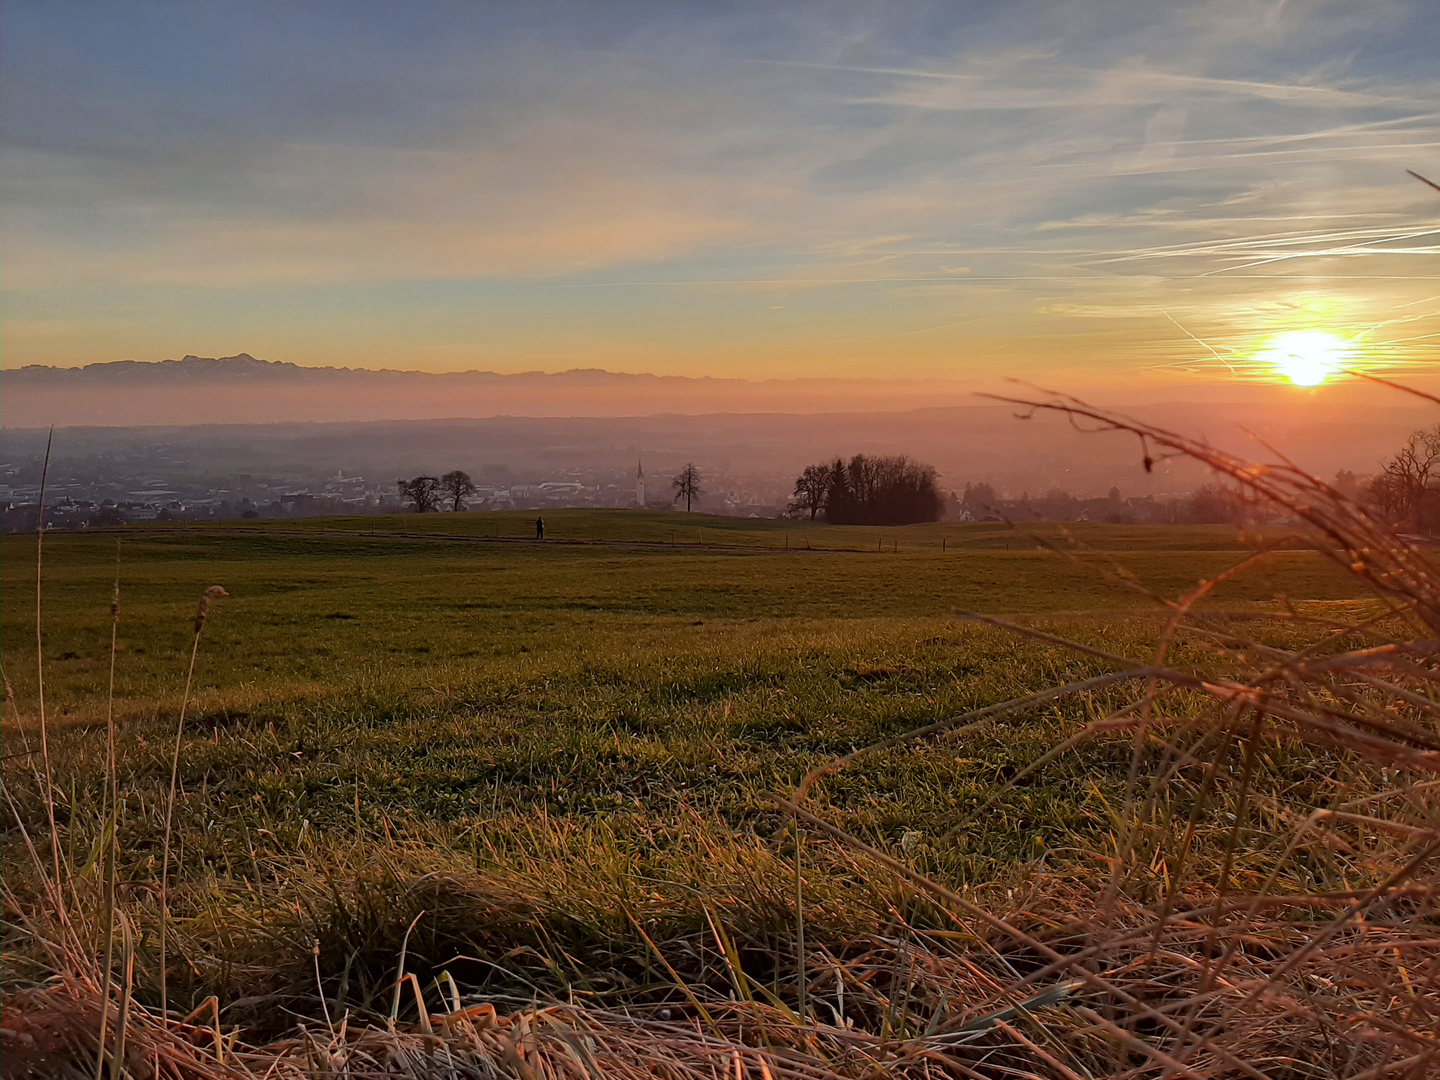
column 316, row 606
column 546, row 747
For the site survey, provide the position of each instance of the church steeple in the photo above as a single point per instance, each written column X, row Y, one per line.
column 640, row 485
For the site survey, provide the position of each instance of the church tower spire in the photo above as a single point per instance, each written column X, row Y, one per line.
column 640, row 485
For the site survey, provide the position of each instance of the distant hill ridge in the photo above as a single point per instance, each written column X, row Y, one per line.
column 243, row 366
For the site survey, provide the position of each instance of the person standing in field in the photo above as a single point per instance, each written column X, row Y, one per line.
column 539, row 528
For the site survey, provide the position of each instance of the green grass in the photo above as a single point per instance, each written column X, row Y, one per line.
column 661, row 527
column 568, row 731
column 312, row 608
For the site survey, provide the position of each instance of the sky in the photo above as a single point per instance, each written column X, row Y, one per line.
column 1089, row 195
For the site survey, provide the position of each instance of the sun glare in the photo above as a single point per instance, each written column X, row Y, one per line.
column 1305, row 357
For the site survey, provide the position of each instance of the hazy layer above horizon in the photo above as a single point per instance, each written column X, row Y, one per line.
column 242, row 389
column 970, row 443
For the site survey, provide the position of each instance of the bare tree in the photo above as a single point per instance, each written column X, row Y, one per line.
column 457, row 485
column 687, row 485
column 1408, row 485
column 812, row 487
column 423, row 491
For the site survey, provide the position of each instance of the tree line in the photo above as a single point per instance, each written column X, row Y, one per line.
column 1406, row 491
column 894, row 490
column 869, row 491
column 863, row 491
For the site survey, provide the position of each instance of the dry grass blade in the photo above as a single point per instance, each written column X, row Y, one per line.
column 110, row 837
column 59, row 888
column 201, row 615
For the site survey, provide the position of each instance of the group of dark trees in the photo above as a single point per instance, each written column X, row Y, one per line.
column 1407, row 489
column 869, row 491
column 1218, row 504
column 428, row 493
column 897, row 491
column 1405, row 492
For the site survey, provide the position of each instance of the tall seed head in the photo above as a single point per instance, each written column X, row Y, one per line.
column 200, row 616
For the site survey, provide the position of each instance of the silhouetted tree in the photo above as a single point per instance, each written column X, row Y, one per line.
column 980, row 500
column 108, row 517
column 1348, row 484
column 687, row 484
column 423, row 491
column 811, row 489
column 1211, row 504
column 1057, row 505
column 881, row 491
column 1408, row 488
column 457, row 486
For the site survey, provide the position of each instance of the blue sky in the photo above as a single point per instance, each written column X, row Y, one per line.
column 1060, row 191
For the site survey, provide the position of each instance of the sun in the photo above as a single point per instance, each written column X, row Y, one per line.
column 1305, row 357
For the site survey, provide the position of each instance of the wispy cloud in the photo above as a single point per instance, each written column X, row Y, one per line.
column 568, row 182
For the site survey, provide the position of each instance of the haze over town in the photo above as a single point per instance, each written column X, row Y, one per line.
column 213, row 466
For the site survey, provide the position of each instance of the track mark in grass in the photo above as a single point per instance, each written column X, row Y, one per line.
column 224, row 718
column 868, row 674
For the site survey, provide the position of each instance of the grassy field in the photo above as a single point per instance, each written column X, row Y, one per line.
column 317, row 606
column 560, row 758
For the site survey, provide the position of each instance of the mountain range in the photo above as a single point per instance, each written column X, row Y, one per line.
column 197, row 389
